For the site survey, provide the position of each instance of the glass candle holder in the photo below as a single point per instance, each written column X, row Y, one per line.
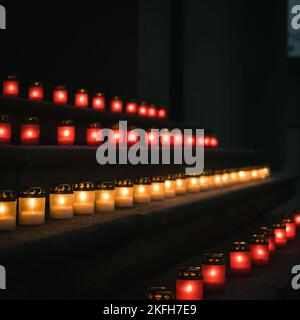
column 66, row 133
column 180, row 184
column 124, row 193
column 11, row 86
column 152, row 111
column 170, row 186
column 260, row 254
column 159, row 294
column 30, row 132
column 240, row 259
column 204, row 182
column 158, row 189
column 105, row 197
column 116, row 105
column 32, row 205
column 280, row 235
column 233, row 176
column 214, row 272
column 225, row 178
column 8, row 211
column 92, row 134
column 99, row 102
column 162, row 113
column 218, row 179
column 60, row 95
column 5, row 130
column 36, row 92
column 61, row 202
column 82, row 98
column 269, row 234
column 189, row 284
column 142, row 190
column 265, row 172
column 207, row 142
column 84, row 198
column 214, row 142
column 193, row 183
column 291, row 228
column 131, row 107
column 142, row 110
column 297, row 217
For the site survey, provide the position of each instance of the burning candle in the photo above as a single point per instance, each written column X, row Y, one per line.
column 92, row 134
column 170, row 186
column 30, row 132
column 260, row 254
column 124, row 193
column 242, row 176
column 99, row 102
column 8, row 211
column 265, row 172
column 116, row 105
column 143, row 109
column 32, row 205
column 180, row 184
column 193, row 183
column 132, row 136
column 152, row 112
column 162, row 113
column 82, row 98
column 297, row 218
column 291, row 228
column 105, row 197
column 269, row 234
column 214, row 142
column 240, row 259
column 204, row 181
column 36, row 92
column 84, row 198
column 214, row 272
column 131, row 107
column 66, row 133
column 158, row 189
column 189, row 284
column 11, row 86
column 233, row 176
column 218, row 179
column 61, row 202
column 60, row 95
column 159, row 294
column 5, row 130
column 152, row 138
column 142, row 190
column 280, row 235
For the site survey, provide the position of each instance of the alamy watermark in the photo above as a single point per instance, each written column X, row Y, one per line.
column 295, row 23
column 296, row 278
column 2, row 18
column 2, row 278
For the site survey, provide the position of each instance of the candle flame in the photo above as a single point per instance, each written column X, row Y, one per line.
column 156, row 188
column 213, row 273
column 66, row 133
column 105, row 196
column 124, row 192
column 194, row 182
column 168, row 184
column 61, row 201
column 239, row 259
column 32, row 203
column 82, row 196
column 2, row 209
column 189, row 288
column 142, row 190
column 179, row 183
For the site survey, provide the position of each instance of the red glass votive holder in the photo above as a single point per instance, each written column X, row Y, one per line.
column 152, row 111
column 66, row 133
column 143, row 110
column 291, row 228
column 131, row 107
column 99, row 102
column 240, row 259
column 280, row 235
column 214, row 272
column 214, row 142
column 36, row 92
column 260, row 253
column 92, row 134
column 82, row 98
column 11, row 86
column 116, row 105
column 269, row 234
column 159, row 294
column 60, row 95
column 189, row 284
column 162, row 113
column 5, row 130
column 30, row 132
column 297, row 218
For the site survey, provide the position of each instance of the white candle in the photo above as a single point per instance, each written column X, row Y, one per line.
column 105, row 200
column 7, row 223
column 158, row 191
column 84, row 202
column 170, row 188
column 142, row 190
column 61, row 203
column 124, row 197
column 8, row 211
column 193, row 184
column 181, row 186
column 32, row 209
column 31, row 218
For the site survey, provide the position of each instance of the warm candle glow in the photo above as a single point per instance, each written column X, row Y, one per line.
column 170, row 186
column 142, row 190
column 280, row 235
column 291, row 228
column 36, row 92
column 11, row 86
column 30, row 132
column 5, row 130
column 105, row 197
column 60, row 95
column 214, row 272
column 240, row 259
column 189, row 284
column 82, row 98
column 92, row 134
column 260, row 253
column 193, row 183
column 158, row 189
column 8, row 211
column 99, row 102
column 116, row 105
column 84, row 198
column 124, row 193
column 66, row 133
column 61, row 202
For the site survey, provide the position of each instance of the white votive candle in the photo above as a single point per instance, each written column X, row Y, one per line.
column 84, row 198
column 8, row 211
column 105, row 197
column 61, row 202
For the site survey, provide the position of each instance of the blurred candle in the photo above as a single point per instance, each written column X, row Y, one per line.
column 189, row 284
column 116, row 105
column 11, row 86
column 297, row 218
column 30, row 132
column 5, row 130
column 36, row 92
column 280, row 235
column 132, row 136
column 218, row 179
column 214, row 272
column 8, row 211
column 142, row 190
column 131, row 107
column 61, row 202
column 99, row 102
column 152, row 138
column 92, row 134
column 204, row 181
column 158, row 189
column 291, row 228
column 193, row 183
column 152, row 112
column 159, row 294
column 105, row 197
column 260, row 254
column 162, row 113
column 143, row 109
column 84, row 198
column 180, row 184
column 170, row 186
column 32, row 205
column 269, row 234
column 214, row 142
column 81, row 98
column 240, row 259
column 124, row 193
column 66, row 133
column 60, row 95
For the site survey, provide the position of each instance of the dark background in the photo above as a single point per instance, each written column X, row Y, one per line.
column 222, row 64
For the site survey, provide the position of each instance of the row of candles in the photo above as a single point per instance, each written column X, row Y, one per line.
column 193, row 283
column 88, row 198
column 66, row 134
column 82, row 99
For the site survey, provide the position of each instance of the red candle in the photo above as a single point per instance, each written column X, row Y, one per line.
column 165, row 137
column 269, row 233
column 36, row 92
column 162, row 113
column 207, row 142
column 92, row 134
column 200, row 141
column 240, row 259
column 99, row 102
column 11, row 86
column 116, row 105
column 60, row 95
column 297, row 218
column 280, row 235
column 131, row 107
column 214, row 272
column 214, row 142
column 132, row 136
column 117, row 134
column 291, row 228
column 66, row 133
column 152, row 138
column 30, row 132
column 81, row 98
column 159, row 294
column 5, row 130
column 189, row 141
column 260, row 254
column 143, row 109
column 152, row 112
column 189, row 284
